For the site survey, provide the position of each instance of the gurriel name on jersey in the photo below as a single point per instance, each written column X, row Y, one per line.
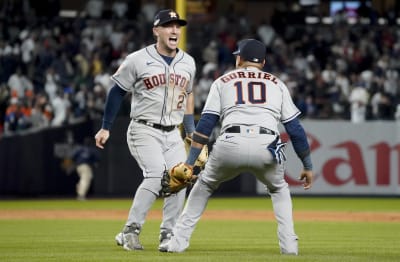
column 255, row 75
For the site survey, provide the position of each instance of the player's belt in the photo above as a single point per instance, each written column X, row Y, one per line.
column 262, row 130
column 157, row 126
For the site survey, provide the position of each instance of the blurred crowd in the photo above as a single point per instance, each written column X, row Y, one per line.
column 56, row 70
column 336, row 70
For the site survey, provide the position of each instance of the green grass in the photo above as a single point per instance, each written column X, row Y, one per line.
column 220, row 203
column 93, row 240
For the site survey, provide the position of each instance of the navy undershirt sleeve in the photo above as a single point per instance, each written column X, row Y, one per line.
column 113, row 103
column 299, row 142
column 206, row 124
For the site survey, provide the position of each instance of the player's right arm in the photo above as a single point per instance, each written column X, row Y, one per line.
column 201, row 135
column 208, row 120
column 113, row 103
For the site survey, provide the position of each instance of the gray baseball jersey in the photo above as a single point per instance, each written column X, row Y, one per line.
column 247, row 95
column 249, row 102
column 145, row 74
column 159, row 96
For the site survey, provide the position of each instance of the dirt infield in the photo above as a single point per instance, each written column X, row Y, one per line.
column 208, row 215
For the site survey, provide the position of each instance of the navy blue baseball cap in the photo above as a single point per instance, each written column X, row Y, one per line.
column 251, row 50
column 166, row 16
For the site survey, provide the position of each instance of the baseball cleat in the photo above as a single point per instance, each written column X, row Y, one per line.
column 289, row 245
column 164, row 239
column 290, row 253
column 129, row 241
column 177, row 245
column 163, row 247
column 129, row 238
column 119, row 238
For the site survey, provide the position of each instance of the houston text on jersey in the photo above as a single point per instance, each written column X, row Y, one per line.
column 159, row 80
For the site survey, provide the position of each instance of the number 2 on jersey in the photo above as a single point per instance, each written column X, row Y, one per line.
column 255, row 93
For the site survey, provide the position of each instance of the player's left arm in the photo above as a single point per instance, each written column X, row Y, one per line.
column 300, row 144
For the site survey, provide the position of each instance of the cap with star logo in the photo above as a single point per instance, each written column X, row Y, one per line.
column 166, row 16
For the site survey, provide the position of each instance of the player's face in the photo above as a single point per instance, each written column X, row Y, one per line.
column 167, row 38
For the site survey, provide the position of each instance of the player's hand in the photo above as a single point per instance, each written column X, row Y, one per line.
column 101, row 138
column 307, row 177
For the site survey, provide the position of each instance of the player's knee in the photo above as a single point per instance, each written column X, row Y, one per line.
column 208, row 185
column 152, row 184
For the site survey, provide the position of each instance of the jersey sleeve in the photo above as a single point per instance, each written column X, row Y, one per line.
column 125, row 76
column 192, row 78
column 213, row 102
column 289, row 109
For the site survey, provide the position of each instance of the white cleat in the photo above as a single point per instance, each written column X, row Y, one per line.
column 119, row 239
column 177, row 245
column 289, row 246
column 289, row 253
column 163, row 247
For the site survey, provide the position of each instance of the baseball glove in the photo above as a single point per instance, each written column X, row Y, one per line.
column 176, row 179
column 201, row 159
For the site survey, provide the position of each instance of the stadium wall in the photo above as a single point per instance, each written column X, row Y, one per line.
column 349, row 159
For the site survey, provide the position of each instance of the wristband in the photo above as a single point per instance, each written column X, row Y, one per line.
column 193, row 154
column 188, row 123
column 199, row 139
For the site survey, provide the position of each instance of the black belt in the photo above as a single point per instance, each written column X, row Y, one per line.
column 263, row 130
column 157, row 126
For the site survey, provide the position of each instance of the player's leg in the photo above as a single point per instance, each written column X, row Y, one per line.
column 85, row 177
column 278, row 189
column 142, row 202
column 172, row 208
column 146, row 148
column 194, row 208
column 209, row 180
column 173, row 204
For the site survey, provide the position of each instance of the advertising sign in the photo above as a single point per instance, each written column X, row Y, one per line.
column 348, row 158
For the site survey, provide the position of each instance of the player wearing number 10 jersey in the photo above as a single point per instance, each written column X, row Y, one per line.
column 250, row 104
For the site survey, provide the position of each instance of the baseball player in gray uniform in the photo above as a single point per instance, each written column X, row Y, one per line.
column 160, row 78
column 250, row 104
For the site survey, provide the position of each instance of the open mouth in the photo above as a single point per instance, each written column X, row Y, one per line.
column 173, row 40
